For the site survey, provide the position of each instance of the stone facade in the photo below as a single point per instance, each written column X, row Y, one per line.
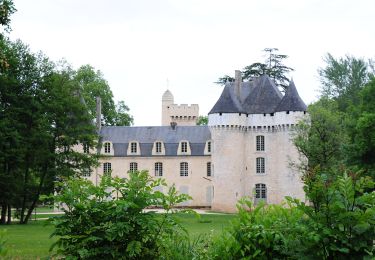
column 245, row 150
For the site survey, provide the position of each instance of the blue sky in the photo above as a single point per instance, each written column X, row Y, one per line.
column 138, row 45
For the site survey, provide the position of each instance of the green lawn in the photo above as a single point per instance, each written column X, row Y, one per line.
column 32, row 241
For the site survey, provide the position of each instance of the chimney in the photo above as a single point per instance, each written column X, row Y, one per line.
column 98, row 113
column 237, row 83
column 173, row 125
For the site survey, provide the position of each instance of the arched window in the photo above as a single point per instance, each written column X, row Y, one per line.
column 260, row 165
column 133, row 167
column 184, row 169
column 107, row 147
column 107, row 168
column 260, row 192
column 158, row 169
column 260, row 143
column 209, row 169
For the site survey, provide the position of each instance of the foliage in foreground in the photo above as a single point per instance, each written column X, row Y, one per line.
column 339, row 223
column 108, row 221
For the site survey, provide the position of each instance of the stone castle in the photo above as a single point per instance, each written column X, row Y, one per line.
column 245, row 150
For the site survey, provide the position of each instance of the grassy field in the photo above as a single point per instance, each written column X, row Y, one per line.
column 32, row 241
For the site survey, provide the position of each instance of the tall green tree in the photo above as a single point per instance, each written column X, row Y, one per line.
column 273, row 66
column 41, row 122
column 94, row 85
column 343, row 78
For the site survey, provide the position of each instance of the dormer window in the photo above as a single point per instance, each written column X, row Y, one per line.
column 183, row 147
column 209, row 146
column 133, row 147
column 107, row 147
column 158, row 147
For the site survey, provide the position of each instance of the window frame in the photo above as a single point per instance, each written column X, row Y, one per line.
column 260, row 192
column 86, row 148
column 158, row 169
column 107, row 147
column 260, row 143
column 184, row 169
column 260, row 165
column 107, row 168
column 209, row 169
column 184, row 147
column 133, row 147
column 158, row 147
column 133, row 167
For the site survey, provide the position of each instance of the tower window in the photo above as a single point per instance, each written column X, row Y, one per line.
column 209, row 173
column 107, row 147
column 133, row 167
column 107, row 168
column 260, row 167
column 184, row 147
column 184, row 169
column 260, row 192
column 133, row 147
column 260, row 143
column 158, row 169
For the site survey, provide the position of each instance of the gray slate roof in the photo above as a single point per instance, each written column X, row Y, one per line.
column 258, row 96
column 227, row 103
column 291, row 100
column 120, row 136
column 263, row 98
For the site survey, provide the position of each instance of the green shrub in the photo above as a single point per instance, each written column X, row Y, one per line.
column 340, row 215
column 261, row 232
column 108, row 221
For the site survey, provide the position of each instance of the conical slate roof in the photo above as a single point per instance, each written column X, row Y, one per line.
column 263, row 98
column 167, row 96
column 291, row 100
column 227, row 102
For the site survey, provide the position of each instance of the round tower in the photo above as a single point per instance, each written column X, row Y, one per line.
column 166, row 102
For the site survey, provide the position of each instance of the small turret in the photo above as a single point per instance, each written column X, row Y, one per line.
column 291, row 100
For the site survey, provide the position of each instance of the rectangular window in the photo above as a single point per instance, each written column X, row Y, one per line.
column 86, row 148
column 209, row 147
column 208, row 169
column 184, row 147
column 107, row 147
column 107, row 168
column 133, row 147
column 260, row 143
column 184, row 169
column 260, row 191
column 260, row 168
column 133, row 167
column 158, row 169
column 158, row 147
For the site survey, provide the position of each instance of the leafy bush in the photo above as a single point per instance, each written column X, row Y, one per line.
column 340, row 215
column 263, row 232
column 108, row 221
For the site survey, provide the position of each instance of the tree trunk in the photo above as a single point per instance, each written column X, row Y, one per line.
column 3, row 214
column 36, row 197
column 25, row 183
column 9, row 221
